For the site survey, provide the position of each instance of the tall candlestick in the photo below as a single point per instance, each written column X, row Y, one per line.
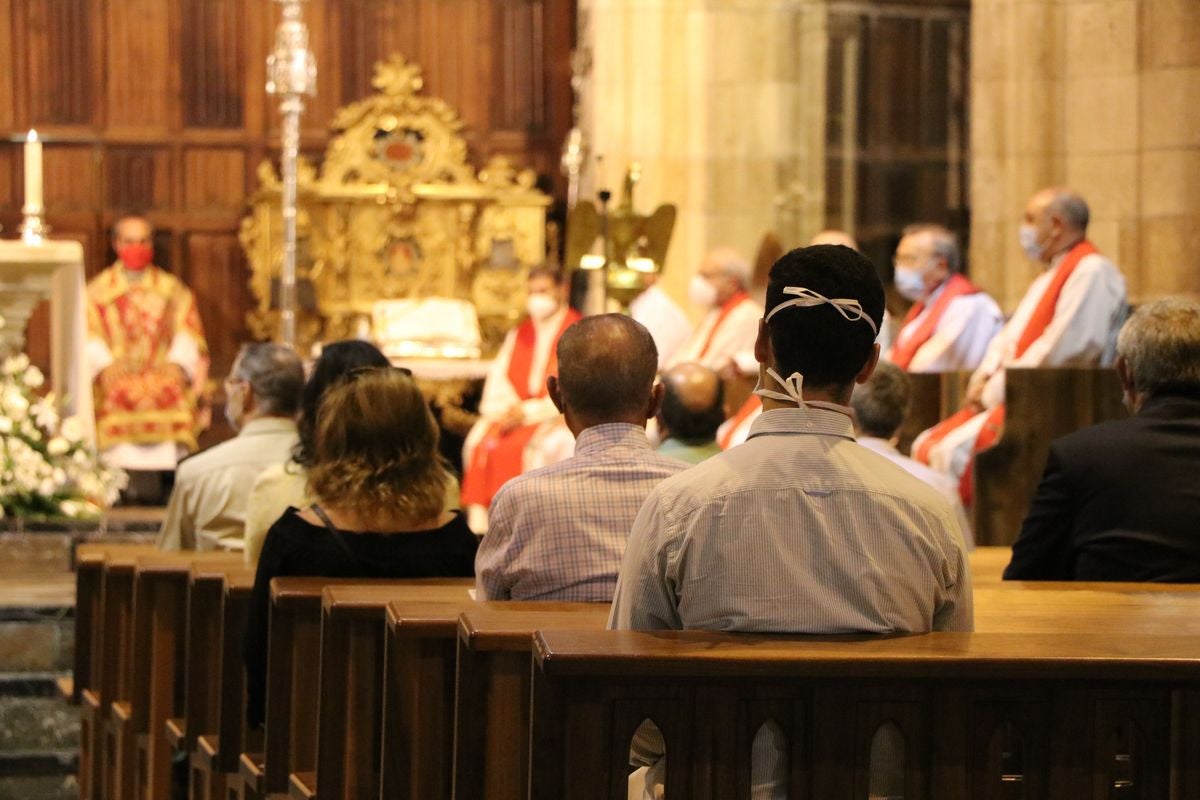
column 33, row 173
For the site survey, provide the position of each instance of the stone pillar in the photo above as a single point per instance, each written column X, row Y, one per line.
column 1091, row 94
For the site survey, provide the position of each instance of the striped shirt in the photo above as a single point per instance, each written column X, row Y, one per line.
column 799, row 530
column 558, row 533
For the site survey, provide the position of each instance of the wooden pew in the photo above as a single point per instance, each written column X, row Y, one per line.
column 974, row 715
column 933, row 396
column 1043, row 404
column 987, row 564
column 350, row 719
column 495, row 651
column 141, row 755
column 103, row 615
column 215, row 718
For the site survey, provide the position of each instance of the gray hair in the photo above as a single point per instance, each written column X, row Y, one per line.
column 881, row 403
column 606, row 367
column 1072, row 208
column 731, row 263
column 1161, row 344
column 942, row 240
column 276, row 375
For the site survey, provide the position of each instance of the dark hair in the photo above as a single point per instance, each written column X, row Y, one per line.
column 817, row 341
column 686, row 423
column 377, row 450
column 338, row 360
column 276, row 375
column 881, row 403
column 606, row 366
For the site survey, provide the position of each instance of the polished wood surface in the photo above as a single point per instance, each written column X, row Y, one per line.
column 1043, row 404
column 159, row 106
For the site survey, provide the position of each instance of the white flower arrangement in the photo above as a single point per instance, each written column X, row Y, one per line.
column 47, row 470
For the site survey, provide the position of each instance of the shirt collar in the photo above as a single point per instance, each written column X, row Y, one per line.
column 815, row 421
column 599, row 438
column 878, row 445
column 267, row 425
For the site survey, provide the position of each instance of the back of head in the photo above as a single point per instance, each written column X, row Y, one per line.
column 1161, row 345
column 881, row 403
column 693, row 402
column 817, row 341
column 606, row 368
column 338, row 360
column 376, row 450
column 276, row 375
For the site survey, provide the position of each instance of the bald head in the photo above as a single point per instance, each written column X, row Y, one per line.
column 1056, row 219
column 606, row 368
column 693, row 403
column 833, row 236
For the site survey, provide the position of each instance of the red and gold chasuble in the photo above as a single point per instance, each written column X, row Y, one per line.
column 142, row 398
column 956, row 286
column 499, row 457
column 1039, row 321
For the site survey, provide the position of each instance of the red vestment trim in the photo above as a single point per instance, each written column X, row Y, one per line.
column 904, row 351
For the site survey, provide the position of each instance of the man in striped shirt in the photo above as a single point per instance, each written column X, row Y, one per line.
column 557, row 533
column 801, row 529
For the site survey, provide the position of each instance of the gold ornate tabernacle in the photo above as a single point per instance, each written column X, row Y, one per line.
column 396, row 212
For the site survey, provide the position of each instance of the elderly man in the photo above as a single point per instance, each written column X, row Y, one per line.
column 1120, row 501
column 1068, row 317
column 951, row 321
column 693, row 408
column 800, row 529
column 558, row 533
column 880, row 405
column 519, row 428
column 730, row 323
column 208, row 506
column 147, row 356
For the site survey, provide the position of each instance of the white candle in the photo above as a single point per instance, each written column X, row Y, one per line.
column 33, row 171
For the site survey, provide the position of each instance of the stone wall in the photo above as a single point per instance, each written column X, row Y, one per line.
column 1097, row 95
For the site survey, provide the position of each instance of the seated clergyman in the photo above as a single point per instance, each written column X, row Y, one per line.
column 800, row 529
column 1120, row 501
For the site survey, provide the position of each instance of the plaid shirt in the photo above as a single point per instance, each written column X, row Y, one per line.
column 559, row 533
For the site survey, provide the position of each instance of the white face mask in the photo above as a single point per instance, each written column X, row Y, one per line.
column 701, row 293
column 793, row 385
column 541, row 306
column 1029, row 242
column 910, row 283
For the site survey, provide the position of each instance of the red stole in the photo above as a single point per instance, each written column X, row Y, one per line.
column 499, row 456
column 726, row 309
column 752, row 405
column 906, row 348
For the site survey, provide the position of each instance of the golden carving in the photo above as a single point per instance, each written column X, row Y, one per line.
column 397, row 211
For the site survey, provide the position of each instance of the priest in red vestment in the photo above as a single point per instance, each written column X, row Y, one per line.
column 519, row 428
column 730, row 325
column 951, row 321
column 1069, row 317
column 147, row 356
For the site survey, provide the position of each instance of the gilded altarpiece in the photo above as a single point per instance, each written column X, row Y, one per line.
column 396, row 211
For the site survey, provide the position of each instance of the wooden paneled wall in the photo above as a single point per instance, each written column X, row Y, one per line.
column 159, row 106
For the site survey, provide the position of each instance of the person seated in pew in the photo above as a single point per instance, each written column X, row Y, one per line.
column 800, row 529
column 720, row 288
column 209, row 502
column 880, row 405
column 558, row 533
column 379, row 485
column 1069, row 317
column 693, row 407
column 1120, row 501
column 951, row 321
column 286, row 484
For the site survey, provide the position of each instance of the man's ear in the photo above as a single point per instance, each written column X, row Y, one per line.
column 868, row 368
column 656, row 400
column 762, row 344
column 1125, row 374
column 555, row 393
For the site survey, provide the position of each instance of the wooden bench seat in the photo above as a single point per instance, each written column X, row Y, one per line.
column 974, row 715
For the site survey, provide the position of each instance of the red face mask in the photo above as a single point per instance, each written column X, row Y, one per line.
column 135, row 256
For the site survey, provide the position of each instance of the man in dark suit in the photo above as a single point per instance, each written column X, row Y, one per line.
column 1120, row 501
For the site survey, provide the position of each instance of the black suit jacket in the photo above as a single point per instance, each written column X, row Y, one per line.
column 1119, row 501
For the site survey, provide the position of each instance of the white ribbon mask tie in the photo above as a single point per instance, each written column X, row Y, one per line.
column 793, row 385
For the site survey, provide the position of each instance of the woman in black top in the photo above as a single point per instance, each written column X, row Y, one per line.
column 381, row 486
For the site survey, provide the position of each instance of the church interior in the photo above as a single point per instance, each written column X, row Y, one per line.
column 407, row 398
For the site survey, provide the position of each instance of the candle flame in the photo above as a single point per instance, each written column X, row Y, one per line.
column 33, row 137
